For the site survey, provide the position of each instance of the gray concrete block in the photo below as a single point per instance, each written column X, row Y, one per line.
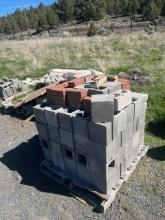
column 97, row 151
column 54, row 134
column 43, row 131
column 121, row 100
column 80, row 125
column 57, row 155
column 65, row 119
column 113, row 87
column 104, row 176
column 66, row 138
column 136, row 143
column 119, row 123
column 102, row 108
column 83, row 167
column 120, row 160
column 39, row 113
column 129, row 113
column 46, row 149
column 142, row 96
column 100, row 133
column 51, row 116
column 69, row 161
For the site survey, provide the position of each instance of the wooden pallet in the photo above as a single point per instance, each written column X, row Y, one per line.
column 83, row 193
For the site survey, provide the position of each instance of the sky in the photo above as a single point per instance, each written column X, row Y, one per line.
column 9, row 6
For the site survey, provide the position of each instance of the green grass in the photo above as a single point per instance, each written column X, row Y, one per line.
column 108, row 54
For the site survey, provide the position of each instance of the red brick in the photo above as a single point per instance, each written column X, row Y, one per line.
column 86, row 104
column 76, row 82
column 125, row 83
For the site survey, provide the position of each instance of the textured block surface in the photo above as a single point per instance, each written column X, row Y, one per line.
column 66, row 138
column 102, row 108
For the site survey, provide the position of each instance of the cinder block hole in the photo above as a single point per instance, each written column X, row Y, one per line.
column 82, row 159
column 102, row 87
column 112, row 164
column 45, row 144
column 68, row 153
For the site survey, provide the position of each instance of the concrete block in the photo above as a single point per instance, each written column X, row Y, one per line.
column 51, row 116
column 102, row 108
column 65, row 119
column 83, row 167
column 120, row 160
column 57, row 155
column 66, row 138
column 100, row 133
column 43, row 131
column 119, row 123
column 142, row 96
column 54, row 134
column 80, row 125
column 136, row 143
column 69, row 161
column 104, row 176
column 121, row 100
column 39, row 113
column 46, row 149
column 113, row 87
column 97, row 151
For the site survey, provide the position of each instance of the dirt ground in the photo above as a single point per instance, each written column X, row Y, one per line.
column 26, row 193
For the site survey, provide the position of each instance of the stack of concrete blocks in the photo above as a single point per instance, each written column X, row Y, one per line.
column 94, row 149
column 10, row 87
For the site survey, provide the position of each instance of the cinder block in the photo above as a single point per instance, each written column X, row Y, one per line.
column 39, row 113
column 80, row 125
column 65, row 119
column 121, row 100
column 66, row 138
column 69, row 161
column 54, row 134
column 97, row 151
column 142, row 96
column 102, row 108
column 43, row 131
column 57, row 155
column 104, row 176
column 136, row 143
column 83, row 167
column 46, row 149
column 119, row 123
column 51, row 116
column 120, row 160
column 100, row 133
column 113, row 87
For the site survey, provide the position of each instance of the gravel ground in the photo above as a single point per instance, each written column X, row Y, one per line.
column 25, row 193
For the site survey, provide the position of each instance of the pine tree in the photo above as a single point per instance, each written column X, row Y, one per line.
column 66, row 10
column 152, row 11
column 52, row 18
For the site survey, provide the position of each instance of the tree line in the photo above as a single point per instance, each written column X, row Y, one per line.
column 63, row 11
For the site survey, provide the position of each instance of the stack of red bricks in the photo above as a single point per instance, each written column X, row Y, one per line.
column 66, row 95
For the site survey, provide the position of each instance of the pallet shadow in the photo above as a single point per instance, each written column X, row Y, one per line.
column 25, row 159
column 157, row 128
column 157, row 153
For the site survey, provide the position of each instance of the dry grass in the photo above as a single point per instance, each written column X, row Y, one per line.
column 108, row 54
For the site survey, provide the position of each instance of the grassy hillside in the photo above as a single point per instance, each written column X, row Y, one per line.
column 111, row 55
